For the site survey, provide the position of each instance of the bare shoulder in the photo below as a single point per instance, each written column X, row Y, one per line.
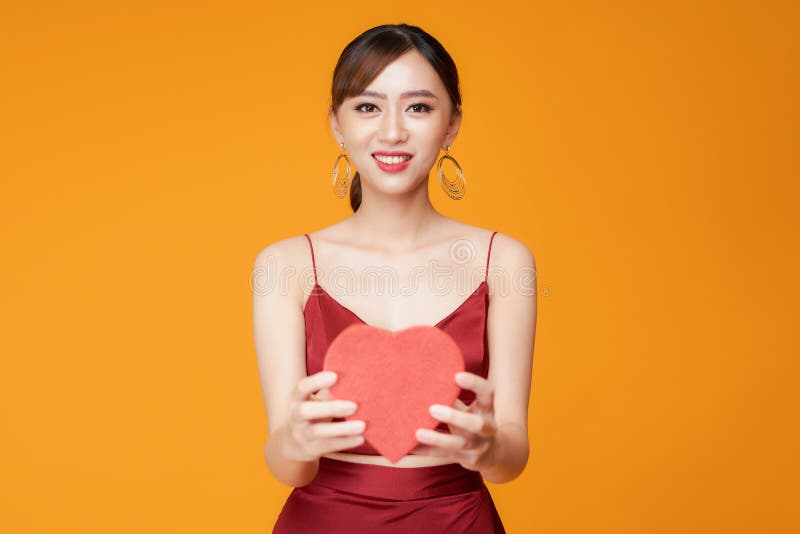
column 512, row 265
column 511, row 253
column 286, row 250
column 285, row 264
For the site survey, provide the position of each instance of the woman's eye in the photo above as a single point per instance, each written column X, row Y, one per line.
column 417, row 108
column 422, row 107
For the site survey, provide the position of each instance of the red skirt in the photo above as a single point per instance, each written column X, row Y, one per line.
column 354, row 498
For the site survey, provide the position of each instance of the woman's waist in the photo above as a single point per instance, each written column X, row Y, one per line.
column 376, row 477
column 408, row 461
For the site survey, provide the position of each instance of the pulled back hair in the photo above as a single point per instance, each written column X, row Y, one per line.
column 363, row 59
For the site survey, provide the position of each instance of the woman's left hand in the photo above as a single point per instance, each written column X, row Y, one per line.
column 472, row 441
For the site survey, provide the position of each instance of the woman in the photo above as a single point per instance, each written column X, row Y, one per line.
column 395, row 103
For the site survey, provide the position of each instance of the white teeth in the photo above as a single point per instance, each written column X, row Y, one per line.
column 391, row 160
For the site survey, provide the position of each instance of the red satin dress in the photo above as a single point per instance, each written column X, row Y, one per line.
column 355, row 498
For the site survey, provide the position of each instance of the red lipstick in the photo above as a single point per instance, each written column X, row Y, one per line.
column 391, row 153
column 399, row 160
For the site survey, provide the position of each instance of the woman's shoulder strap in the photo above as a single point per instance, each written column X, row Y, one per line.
column 488, row 255
column 313, row 262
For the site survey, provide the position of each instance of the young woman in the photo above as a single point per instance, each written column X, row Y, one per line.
column 395, row 104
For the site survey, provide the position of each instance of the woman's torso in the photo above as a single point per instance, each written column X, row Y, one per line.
column 462, row 265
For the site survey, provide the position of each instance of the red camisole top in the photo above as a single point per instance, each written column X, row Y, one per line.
column 325, row 317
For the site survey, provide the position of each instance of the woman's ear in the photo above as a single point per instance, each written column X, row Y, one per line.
column 452, row 129
column 335, row 127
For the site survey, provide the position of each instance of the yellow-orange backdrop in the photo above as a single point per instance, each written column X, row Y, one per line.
column 643, row 151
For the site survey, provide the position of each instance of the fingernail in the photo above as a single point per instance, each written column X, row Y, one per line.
column 437, row 410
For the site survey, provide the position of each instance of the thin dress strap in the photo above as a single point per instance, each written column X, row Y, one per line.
column 488, row 256
column 313, row 262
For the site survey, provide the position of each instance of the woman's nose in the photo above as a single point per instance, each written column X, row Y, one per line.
column 392, row 128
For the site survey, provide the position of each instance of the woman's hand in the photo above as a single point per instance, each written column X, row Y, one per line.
column 311, row 432
column 472, row 441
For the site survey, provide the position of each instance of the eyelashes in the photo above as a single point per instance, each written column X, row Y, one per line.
column 358, row 107
column 424, row 108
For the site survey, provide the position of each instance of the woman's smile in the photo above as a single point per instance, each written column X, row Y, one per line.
column 392, row 161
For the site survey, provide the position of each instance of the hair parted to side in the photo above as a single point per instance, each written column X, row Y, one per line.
column 363, row 59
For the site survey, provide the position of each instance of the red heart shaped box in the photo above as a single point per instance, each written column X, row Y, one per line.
column 394, row 377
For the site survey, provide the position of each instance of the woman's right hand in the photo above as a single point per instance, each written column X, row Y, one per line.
column 311, row 430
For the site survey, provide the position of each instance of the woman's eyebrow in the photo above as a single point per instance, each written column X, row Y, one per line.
column 407, row 94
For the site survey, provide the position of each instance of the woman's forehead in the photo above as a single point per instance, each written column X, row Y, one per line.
column 409, row 73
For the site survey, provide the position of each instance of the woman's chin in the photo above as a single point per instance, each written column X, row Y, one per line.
column 392, row 184
column 398, row 189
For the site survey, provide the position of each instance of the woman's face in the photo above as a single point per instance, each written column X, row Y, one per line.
column 405, row 110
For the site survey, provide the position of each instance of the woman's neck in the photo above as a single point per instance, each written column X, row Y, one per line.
column 395, row 223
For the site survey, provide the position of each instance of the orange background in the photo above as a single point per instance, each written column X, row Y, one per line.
column 645, row 152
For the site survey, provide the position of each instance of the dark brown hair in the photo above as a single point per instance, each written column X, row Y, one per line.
column 363, row 59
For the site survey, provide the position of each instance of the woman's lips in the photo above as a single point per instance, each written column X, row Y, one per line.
column 393, row 167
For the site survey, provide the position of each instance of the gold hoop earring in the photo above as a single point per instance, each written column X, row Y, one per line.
column 455, row 189
column 341, row 184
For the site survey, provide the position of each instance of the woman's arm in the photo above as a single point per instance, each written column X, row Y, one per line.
column 511, row 326
column 491, row 434
column 279, row 332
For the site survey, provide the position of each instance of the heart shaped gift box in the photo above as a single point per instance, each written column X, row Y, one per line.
column 394, row 377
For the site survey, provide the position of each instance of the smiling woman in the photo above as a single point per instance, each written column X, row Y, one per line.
column 395, row 103
column 399, row 54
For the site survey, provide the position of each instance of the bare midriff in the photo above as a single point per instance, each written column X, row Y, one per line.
column 409, row 460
